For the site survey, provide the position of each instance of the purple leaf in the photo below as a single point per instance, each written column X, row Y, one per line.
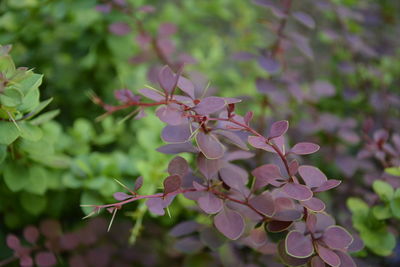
column 345, row 259
column 167, row 79
column 157, row 205
column 45, row 259
column 311, row 222
column 297, row 191
column 314, row 204
column 230, row 223
column 120, row 196
column 278, row 128
column 50, row 228
column 278, row 226
column 260, row 142
column 178, row 166
column 323, row 88
column 178, row 148
column 304, row 18
column 167, row 29
column 119, row 28
column 212, row 238
column 293, row 167
column 263, row 203
column 233, row 138
column 337, row 237
column 189, row 245
column 288, row 215
column 327, row 185
column 271, row 65
column 172, row 183
column 328, row 256
column 186, row 86
column 26, row 261
column 170, row 115
column 103, row 8
column 312, row 176
column 298, row 245
column 208, row 167
column 302, row 44
column 13, row 242
column 209, row 145
column 247, row 118
column 210, row 203
column 287, row 259
column 152, row 94
column 138, row 183
column 323, row 222
column 125, row 96
column 184, row 228
column 233, row 178
column 304, row 148
column 210, row 105
column 317, row 262
column 31, row 234
column 265, row 175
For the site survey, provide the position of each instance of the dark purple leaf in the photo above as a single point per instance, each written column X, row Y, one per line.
column 13, row 242
column 50, row 228
column 328, row 256
column 119, row 28
column 265, row 175
column 189, row 244
column 278, row 128
column 312, row 176
column 299, row 245
column 210, row 203
column 120, row 196
column 381, row 136
column 184, row 228
column 186, row 86
column 302, row 44
column 304, row 148
column 212, row 238
column 356, row 245
column 138, row 183
column 314, row 204
column 167, row 79
column 170, row 115
column 31, row 234
column 152, row 94
column 263, row 203
column 297, row 191
column 337, row 237
column 178, row 166
column 304, row 18
column 269, row 64
column 317, row 262
column 172, row 183
column 278, row 226
column 327, row 185
column 209, row 145
column 210, row 105
column 287, row 259
column 45, row 259
column 230, row 223
column 178, row 148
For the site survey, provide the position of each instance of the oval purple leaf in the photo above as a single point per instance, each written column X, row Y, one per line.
column 327, row 185
column 45, row 259
column 176, row 134
column 287, row 259
column 299, row 245
column 152, row 94
column 178, row 166
column 265, row 175
column 278, row 226
column 297, row 191
column 278, row 128
column 31, row 234
column 209, row 105
column 172, row 183
column 337, row 237
column 167, row 79
column 314, row 204
column 209, row 145
column 230, row 223
column 345, row 259
column 13, row 241
column 260, row 142
column 186, row 86
column 121, row 196
column 263, row 203
column 304, row 148
column 317, row 262
column 210, row 203
column 328, row 256
column 138, row 183
column 119, row 28
column 304, row 19
column 312, row 176
column 170, row 115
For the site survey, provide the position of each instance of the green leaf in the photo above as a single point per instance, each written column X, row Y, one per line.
column 31, row 83
column 30, row 101
column 7, row 64
column 45, row 117
column 90, row 198
column 384, row 190
column 42, row 105
column 30, row 132
column 33, row 204
column 15, row 177
column 382, row 212
column 11, row 97
column 395, row 207
column 3, row 153
column 357, row 206
column 381, row 241
column 37, row 180
column 393, row 171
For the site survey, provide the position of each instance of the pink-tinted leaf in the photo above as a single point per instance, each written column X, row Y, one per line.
column 170, row 115
column 13, row 241
column 167, row 79
column 31, row 234
column 138, row 183
column 287, row 259
column 45, row 259
column 119, row 28
column 297, row 191
column 327, row 185
column 263, row 203
column 184, row 228
column 312, row 176
column 248, row 117
column 210, row 105
column 293, row 167
column 152, row 94
column 304, row 18
column 278, row 128
column 230, row 223
column 260, row 142
column 176, row 134
column 178, row 166
column 317, row 262
column 266, row 174
column 208, row 167
column 311, row 222
column 120, row 196
column 299, row 245
column 26, row 261
column 209, row 145
column 186, row 86
column 278, row 226
column 314, row 204
column 166, row 29
column 345, row 259
column 337, row 237
column 304, row 148
column 210, row 203
column 328, row 256
column 172, row 183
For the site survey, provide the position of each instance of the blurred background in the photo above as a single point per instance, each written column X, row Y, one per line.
column 330, row 67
